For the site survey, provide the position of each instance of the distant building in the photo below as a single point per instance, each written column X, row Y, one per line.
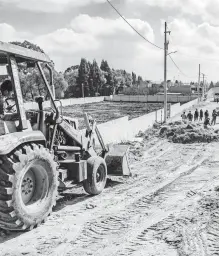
column 183, row 89
column 194, row 88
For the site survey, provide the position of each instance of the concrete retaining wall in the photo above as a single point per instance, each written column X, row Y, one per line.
column 175, row 109
column 123, row 129
column 149, row 98
column 65, row 102
column 113, row 131
column 188, row 104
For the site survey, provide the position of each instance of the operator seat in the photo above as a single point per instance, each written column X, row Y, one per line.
column 41, row 116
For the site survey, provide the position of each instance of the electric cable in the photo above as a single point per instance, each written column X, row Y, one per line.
column 133, row 27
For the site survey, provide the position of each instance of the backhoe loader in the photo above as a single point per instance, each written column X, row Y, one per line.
column 43, row 152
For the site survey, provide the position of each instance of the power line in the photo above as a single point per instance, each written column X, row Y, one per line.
column 133, row 27
column 196, row 57
column 179, row 68
column 191, row 56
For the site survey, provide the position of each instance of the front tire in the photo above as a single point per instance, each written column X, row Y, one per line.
column 96, row 175
column 28, row 187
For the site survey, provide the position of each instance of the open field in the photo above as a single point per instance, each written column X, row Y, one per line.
column 169, row 207
column 106, row 111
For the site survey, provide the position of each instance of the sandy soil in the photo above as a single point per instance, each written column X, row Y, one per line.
column 106, row 111
column 168, row 207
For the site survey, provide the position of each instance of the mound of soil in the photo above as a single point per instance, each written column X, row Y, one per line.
column 183, row 132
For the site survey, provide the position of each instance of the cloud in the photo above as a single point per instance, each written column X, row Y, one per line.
column 8, row 33
column 98, row 26
column 194, row 36
column 92, row 37
column 66, row 41
column 96, row 37
column 48, row 6
column 195, row 44
column 207, row 10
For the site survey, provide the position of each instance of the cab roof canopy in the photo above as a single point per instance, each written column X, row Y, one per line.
column 21, row 54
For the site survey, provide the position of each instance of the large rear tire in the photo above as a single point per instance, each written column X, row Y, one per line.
column 96, row 175
column 28, row 187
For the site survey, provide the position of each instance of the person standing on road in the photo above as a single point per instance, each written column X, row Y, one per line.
column 184, row 116
column 217, row 100
column 190, row 116
column 201, row 115
column 196, row 115
column 214, row 117
column 206, row 122
column 206, row 114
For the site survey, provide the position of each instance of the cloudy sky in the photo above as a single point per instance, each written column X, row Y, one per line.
column 70, row 29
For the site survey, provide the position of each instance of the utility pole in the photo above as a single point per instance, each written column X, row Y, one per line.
column 82, row 85
column 203, row 87
column 165, row 71
column 199, row 77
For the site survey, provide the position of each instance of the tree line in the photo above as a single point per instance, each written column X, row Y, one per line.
column 90, row 79
column 86, row 79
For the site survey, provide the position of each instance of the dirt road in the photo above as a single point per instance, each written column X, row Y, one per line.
column 168, row 207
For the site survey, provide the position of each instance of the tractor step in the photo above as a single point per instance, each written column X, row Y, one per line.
column 67, row 148
column 67, row 161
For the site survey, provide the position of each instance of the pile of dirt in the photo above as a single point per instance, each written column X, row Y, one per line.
column 183, row 132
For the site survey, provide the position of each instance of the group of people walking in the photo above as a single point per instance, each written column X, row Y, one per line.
column 199, row 115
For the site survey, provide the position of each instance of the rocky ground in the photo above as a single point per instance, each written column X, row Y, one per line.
column 169, row 207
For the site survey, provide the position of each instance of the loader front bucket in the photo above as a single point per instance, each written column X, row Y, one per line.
column 117, row 161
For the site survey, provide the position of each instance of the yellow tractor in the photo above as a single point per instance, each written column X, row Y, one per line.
column 43, row 152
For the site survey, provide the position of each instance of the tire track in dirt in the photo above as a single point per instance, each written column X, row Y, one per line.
column 191, row 235
column 115, row 215
column 124, row 220
column 94, row 231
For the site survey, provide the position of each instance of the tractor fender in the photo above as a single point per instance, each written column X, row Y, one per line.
column 11, row 141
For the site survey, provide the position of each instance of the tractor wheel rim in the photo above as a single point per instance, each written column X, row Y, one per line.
column 35, row 185
column 100, row 174
column 28, row 186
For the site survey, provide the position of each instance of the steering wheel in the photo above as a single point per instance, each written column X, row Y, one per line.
column 10, row 108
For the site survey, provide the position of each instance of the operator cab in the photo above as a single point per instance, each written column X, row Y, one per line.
column 15, row 91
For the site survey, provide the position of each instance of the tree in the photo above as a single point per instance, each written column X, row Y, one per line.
column 211, row 85
column 83, row 75
column 72, row 68
column 97, row 78
column 128, row 79
column 31, row 81
column 71, row 77
column 134, row 80
column 28, row 45
column 103, row 65
column 60, row 84
column 140, row 80
column 107, row 72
